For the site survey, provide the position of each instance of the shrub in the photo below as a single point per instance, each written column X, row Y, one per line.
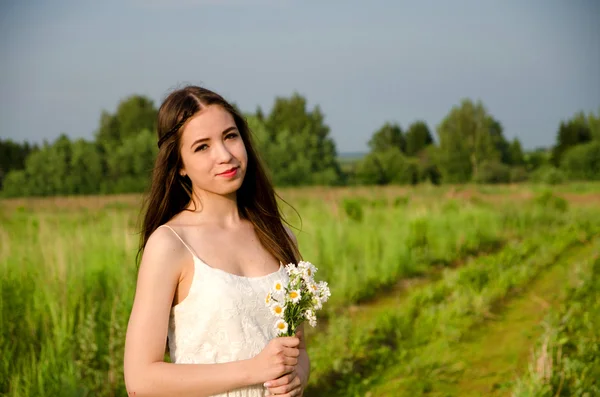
column 551, row 202
column 353, row 209
column 518, row 174
column 548, row 175
column 401, row 201
column 492, row 172
column 390, row 166
column 582, row 161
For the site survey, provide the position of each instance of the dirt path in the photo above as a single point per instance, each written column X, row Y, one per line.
column 393, row 296
column 486, row 363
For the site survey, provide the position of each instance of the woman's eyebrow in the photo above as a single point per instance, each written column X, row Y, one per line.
column 232, row 128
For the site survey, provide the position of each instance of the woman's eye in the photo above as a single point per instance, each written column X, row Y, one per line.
column 232, row 135
column 201, row 148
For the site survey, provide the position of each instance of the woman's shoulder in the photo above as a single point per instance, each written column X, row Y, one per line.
column 163, row 238
column 164, row 246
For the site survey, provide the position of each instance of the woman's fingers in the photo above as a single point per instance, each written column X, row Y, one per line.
column 290, row 341
column 289, row 383
column 291, row 352
column 290, row 361
column 284, row 380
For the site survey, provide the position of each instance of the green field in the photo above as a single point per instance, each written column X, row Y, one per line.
column 441, row 291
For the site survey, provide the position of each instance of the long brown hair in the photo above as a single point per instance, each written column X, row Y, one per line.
column 170, row 193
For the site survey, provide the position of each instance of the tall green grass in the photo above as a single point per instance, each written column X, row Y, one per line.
column 359, row 256
column 566, row 359
column 67, row 285
column 415, row 336
column 68, row 272
column 361, row 246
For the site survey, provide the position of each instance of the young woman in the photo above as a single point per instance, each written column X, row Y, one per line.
column 213, row 244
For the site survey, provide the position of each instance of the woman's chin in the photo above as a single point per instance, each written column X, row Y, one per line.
column 231, row 187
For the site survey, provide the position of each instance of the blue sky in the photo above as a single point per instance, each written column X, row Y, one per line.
column 532, row 63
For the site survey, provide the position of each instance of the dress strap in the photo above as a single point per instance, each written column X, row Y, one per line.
column 180, row 239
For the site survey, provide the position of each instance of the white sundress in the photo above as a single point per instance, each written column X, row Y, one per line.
column 223, row 318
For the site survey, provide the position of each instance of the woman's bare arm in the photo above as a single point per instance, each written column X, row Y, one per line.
column 146, row 373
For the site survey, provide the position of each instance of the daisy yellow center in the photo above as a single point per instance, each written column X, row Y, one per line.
column 278, row 287
column 278, row 309
column 281, row 325
column 293, row 295
column 309, row 272
column 268, row 298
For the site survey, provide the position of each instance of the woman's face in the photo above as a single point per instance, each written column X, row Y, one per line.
column 211, row 145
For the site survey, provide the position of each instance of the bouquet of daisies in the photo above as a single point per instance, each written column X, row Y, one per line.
column 297, row 300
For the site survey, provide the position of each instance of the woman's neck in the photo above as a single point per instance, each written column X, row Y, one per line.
column 216, row 208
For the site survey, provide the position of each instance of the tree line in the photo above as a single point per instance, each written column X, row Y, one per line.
column 295, row 143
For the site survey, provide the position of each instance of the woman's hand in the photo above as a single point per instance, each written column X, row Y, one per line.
column 278, row 358
column 292, row 384
column 287, row 386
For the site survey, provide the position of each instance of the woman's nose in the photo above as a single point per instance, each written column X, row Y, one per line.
column 223, row 154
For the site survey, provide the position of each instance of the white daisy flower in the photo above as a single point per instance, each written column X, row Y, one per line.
column 291, row 269
column 317, row 303
column 281, row 326
column 268, row 299
column 278, row 287
column 277, row 309
column 313, row 288
column 311, row 317
column 324, row 292
column 308, row 269
column 308, row 275
column 294, row 296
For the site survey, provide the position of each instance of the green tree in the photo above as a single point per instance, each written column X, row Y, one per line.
column 109, row 133
column 54, row 166
column 12, row 156
column 389, row 136
column 130, row 165
column 85, row 168
column 62, row 168
column 571, row 133
column 429, row 165
column 418, row 137
column 259, row 114
column 263, row 141
column 385, row 167
column 517, row 157
column 134, row 114
column 500, row 142
column 593, row 122
column 518, row 174
column 493, row 172
column 16, row 184
column 582, row 162
column 468, row 137
column 537, row 158
column 290, row 167
column 291, row 114
column 298, row 148
column 261, row 137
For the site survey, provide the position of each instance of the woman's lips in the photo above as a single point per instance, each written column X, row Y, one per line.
column 229, row 173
